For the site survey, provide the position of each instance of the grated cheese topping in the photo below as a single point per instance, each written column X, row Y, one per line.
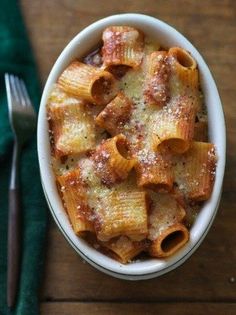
column 191, row 172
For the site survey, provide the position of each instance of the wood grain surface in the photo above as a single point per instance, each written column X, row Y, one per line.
column 206, row 283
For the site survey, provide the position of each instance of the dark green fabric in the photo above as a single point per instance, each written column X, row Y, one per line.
column 16, row 57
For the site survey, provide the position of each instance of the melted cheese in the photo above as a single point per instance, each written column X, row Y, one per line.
column 165, row 211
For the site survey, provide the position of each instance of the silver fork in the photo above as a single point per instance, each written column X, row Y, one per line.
column 23, row 122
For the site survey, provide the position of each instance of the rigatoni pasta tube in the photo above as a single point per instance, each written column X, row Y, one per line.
column 122, row 45
column 124, row 249
column 73, row 193
column 170, row 241
column 184, row 68
column 154, row 171
column 173, row 126
column 90, row 83
column 166, row 231
column 72, row 128
column 112, row 161
column 195, row 171
column 157, row 78
column 115, row 115
column 122, row 213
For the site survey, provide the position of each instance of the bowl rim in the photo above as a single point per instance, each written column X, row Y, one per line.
column 107, row 265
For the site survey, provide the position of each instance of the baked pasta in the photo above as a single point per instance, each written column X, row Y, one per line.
column 129, row 145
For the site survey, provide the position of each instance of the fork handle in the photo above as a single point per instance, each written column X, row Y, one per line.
column 14, row 230
column 14, row 238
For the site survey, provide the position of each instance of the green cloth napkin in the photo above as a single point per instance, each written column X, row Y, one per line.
column 16, row 57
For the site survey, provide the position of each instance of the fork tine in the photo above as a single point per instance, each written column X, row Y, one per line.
column 19, row 91
column 8, row 88
column 25, row 93
column 13, row 90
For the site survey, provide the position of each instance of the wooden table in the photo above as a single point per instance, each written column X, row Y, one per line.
column 206, row 283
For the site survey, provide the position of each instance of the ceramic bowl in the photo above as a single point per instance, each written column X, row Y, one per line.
column 79, row 46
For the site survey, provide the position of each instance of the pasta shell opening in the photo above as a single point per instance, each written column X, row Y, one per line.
column 172, row 241
column 175, row 145
column 183, row 58
column 103, row 90
column 122, row 147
